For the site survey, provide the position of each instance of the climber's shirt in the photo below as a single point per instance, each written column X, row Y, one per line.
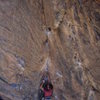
column 48, row 93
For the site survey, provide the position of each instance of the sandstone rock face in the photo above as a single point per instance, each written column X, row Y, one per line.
column 64, row 33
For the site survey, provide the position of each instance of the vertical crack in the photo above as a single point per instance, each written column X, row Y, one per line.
column 43, row 11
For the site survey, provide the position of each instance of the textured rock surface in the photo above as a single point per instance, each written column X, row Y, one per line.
column 65, row 33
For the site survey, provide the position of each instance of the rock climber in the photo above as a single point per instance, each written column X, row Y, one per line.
column 46, row 89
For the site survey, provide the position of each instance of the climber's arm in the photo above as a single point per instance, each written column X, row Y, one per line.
column 41, row 86
column 49, row 79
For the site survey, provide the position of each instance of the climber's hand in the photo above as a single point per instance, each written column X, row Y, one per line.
column 43, row 81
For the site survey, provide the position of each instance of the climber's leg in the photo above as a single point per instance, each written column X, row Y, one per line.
column 40, row 95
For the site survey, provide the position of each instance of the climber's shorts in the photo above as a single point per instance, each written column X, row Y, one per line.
column 47, row 98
